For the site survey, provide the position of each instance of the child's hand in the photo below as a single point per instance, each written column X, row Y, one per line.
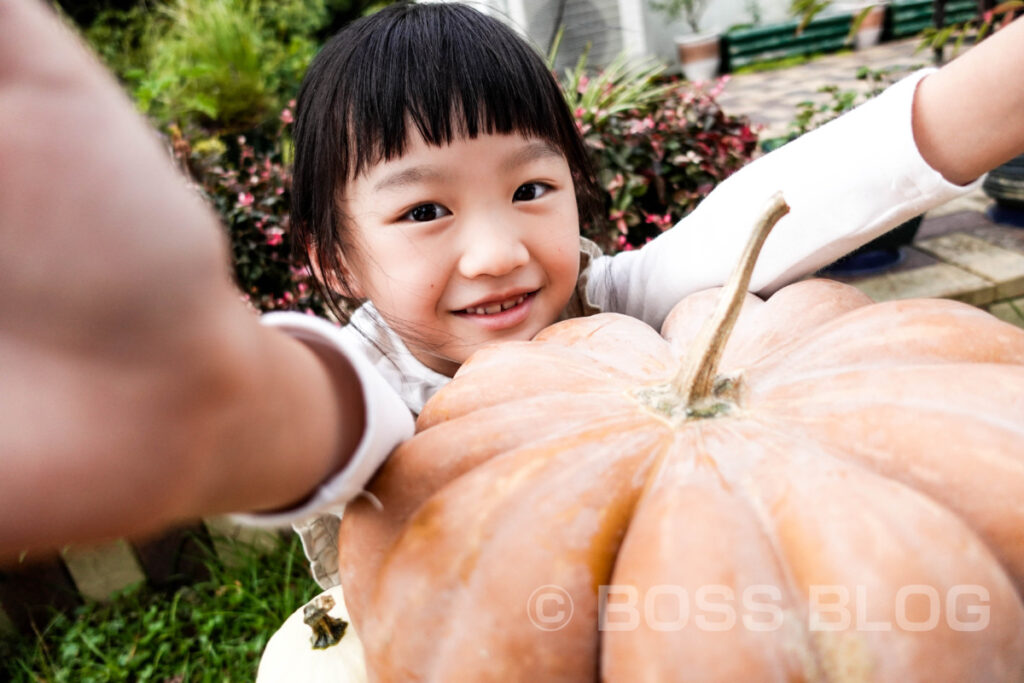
column 122, row 340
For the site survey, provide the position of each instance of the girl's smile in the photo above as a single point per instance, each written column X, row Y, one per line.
column 500, row 315
column 465, row 244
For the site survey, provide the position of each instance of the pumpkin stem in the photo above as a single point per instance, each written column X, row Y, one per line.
column 696, row 379
column 327, row 630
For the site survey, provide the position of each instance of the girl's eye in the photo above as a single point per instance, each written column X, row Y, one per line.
column 426, row 212
column 530, row 191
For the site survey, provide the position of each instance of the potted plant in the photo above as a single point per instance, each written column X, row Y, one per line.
column 865, row 27
column 699, row 51
column 868, row 21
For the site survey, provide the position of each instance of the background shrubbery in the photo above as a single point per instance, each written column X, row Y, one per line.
column 660, row 145
column 217, row 77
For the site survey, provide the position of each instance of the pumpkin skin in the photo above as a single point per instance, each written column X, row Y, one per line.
column 871, row 447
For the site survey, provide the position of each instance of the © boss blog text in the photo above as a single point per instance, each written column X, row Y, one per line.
column 915, row 607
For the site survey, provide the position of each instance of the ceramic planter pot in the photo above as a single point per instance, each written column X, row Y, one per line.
column 1005, row 184
column 700, row 56
column 878, row 255
column 870, row 31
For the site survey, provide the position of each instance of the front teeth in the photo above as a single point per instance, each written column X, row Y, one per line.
column 497, row 308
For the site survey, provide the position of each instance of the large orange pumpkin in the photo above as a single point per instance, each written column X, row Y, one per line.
column 840, row 498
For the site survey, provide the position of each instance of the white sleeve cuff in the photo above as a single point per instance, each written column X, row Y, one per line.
column 388, row 421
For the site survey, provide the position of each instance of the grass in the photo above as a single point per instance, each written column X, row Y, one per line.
column 209, row 631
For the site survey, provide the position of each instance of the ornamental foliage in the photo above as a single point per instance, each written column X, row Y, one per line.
column 659, row 144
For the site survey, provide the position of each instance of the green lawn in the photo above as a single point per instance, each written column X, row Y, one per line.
column 210, row 631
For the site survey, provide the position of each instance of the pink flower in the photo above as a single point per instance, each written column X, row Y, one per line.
column 275, row 236
column 660, row 222
column 286, row 116
column 245, row 199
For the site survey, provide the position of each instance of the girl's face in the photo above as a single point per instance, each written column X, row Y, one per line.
column 466, row 244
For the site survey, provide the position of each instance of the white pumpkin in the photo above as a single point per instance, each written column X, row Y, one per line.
column 316, row 644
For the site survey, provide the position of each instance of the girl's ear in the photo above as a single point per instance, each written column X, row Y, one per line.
column 340, row 279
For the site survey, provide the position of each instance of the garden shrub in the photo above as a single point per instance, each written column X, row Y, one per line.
column 659, row 146
column 219, row 66
column 250, row 187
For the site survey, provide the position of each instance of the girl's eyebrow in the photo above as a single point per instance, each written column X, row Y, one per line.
column 408, row 176
column 533, row 151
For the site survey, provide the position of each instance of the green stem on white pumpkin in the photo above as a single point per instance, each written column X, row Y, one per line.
column 696, row 380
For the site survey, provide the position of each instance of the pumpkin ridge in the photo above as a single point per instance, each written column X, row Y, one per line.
column 682, row 486
column 854, row 387
column 536, row 373
column 814, row 659
column 867, row 333
column 766, row 326
column 975, row 471
column 497, row 515
column 414, row 473
column 862, row 482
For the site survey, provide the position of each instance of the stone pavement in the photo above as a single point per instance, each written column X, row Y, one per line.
column 958, row 252
column 770, row 98
column 963, row 256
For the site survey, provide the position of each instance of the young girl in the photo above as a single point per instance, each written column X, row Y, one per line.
column 440, row 177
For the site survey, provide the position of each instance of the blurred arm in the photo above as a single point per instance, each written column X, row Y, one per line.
column 969, row 115
column 135, row 389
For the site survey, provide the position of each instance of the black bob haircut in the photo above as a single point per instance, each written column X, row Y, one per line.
column 444, row 68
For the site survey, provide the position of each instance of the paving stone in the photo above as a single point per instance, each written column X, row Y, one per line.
column 1000, row 235
column 1003, row 267
column 939, row 281
column 770, row 97
column 944, row 223
column 1010, row 311
column 912, row 259
column 228, row 535
column 101, row 570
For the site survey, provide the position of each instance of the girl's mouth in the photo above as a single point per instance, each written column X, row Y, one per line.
column 497, row 306
column 500, row 315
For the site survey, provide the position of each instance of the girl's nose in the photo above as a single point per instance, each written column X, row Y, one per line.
column 492, row 249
